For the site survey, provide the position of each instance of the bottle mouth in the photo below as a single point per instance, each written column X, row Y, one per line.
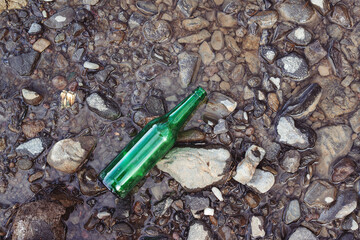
column 200, row 92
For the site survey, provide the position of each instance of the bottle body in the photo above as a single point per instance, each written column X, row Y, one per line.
column 148, row 147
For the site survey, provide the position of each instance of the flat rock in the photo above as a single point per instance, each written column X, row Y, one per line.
column 60, row 19
column 32, row 148
column 246, row 168
column 12, row 4
column 293, row 66
column 341, row 16
column 196, row 38
column 302, row 233
column 187, row 7
column 265, row 19
column 195, row 24
column 300, row 36
column 290, row 135
column 207, row 55
column 68, row 155
column 293, row 212
column 345, row 204
column 355, row 35
column 296, row 11
column 196, row 204
column 320, row 194
column 314, row 52
column 25, row 63
column 149, row 72
column 199, row 231
column 103, row 107
column 200, row 167
column 261, row 181
column 32, row 127
column 219, row 106
column 189, row 64
column 158, row 31
column 39, row 220
column 147, row 7
column 332, row 143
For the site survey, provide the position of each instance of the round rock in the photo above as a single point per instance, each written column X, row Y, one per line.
column 68, row 155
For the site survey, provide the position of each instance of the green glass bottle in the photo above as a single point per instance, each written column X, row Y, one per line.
column 148, row 147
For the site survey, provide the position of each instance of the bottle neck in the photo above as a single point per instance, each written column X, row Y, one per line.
column 180, row 114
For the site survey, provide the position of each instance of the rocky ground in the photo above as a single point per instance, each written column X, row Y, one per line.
column 272, row 154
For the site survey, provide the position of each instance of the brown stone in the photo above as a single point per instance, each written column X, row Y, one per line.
column 273, row 102
column 343, row 169
column 252, row 199
column 59, row 82
column 32, row 127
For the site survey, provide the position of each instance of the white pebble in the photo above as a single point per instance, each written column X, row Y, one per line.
column 217, row 193
column 209, row 211
column 44, row 13
column 90, row 65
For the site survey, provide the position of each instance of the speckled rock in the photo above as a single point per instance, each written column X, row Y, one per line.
column 200, row 167
column 189, row 64
column 32, row 148
column 68, row 155
column 39, row 220
column 296, row 11
column 293, row 66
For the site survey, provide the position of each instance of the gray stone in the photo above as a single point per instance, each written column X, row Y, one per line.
column 246, row 168
column 189, row 64
column 149, row 72
column 32, row 148
column 320, row 194
column 147, row 7
column 322, row 6
column 68, row 155
column 355, row 121
column 257, row 227
column 161, row 207
column 196, row 204
column 302, row 233
column 293, row 66
column 24, row 164
column 355, row 35
column 293, row 212
column 332, row 143
column 102, row 75
column 345, row 204
column 268, row 53
column 158, row 31
column 340, row 16
column 296, row 11
column 136, row 20
column 221, row 127
column 261, row 181
column 103, row 107
column 200, row 167
column 300, row 36
column 314, row 52
column 35, row 28
column 291, row 161
column 39, row 220
column 187, row 7
column 290, row 135
column 60, row 19
column 350, row 224
column 198, row 231
column 78, row 55
column 25, row 63
column 155, row 106
column 219, row 106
